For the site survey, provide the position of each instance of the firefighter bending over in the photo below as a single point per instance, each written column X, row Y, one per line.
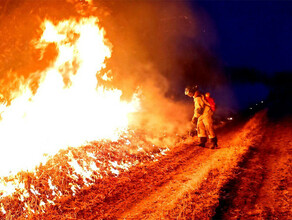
column 202, row 117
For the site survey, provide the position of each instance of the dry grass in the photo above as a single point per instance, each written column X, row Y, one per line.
column 54, row 183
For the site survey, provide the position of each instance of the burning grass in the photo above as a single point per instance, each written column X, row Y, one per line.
column 70, row 173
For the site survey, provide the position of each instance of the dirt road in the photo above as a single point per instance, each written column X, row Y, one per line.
column 248, row 177
column 263, row 186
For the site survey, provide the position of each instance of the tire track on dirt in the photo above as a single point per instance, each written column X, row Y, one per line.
column 262, row 188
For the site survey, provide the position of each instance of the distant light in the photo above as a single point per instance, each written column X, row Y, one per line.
column 262, row 101
column 230, row 119
column 250, row 108
column 257, row 104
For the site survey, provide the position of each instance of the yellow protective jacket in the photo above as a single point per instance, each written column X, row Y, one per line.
column 203, row 113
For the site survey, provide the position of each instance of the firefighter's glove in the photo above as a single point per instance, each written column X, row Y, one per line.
column 193, row 133
column 194, row 120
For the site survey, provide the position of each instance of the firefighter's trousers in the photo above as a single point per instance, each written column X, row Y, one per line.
column 205, row 126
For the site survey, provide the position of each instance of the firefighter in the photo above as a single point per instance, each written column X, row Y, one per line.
column 202, row 117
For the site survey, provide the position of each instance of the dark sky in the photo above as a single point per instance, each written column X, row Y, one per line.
column 256, row 34
column 251, row 34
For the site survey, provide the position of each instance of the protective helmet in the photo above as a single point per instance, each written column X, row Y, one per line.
column 191, row 89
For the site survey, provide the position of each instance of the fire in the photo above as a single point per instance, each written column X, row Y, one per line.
column 70, row 106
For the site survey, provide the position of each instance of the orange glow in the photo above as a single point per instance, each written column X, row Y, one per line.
column 62, row 114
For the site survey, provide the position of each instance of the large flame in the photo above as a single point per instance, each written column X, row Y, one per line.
column 63, row 114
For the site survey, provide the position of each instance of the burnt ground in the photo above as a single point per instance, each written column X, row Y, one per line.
column 248, row 177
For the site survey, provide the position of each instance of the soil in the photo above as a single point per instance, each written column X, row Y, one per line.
column 247, row 177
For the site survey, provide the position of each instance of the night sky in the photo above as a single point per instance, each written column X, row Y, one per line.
column 256, row 34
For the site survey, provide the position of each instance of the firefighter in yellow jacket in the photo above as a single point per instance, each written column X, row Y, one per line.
column 202, row 117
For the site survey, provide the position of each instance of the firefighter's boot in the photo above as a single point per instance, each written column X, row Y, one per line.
column 214, row 143
column 202, row 141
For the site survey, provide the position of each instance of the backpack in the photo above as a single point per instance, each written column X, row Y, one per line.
column 211, row 103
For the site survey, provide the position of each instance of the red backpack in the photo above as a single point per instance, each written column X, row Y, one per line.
column 212, row 103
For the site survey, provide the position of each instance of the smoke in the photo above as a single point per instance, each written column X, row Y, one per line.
column 162, row 47
column 158, row 49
